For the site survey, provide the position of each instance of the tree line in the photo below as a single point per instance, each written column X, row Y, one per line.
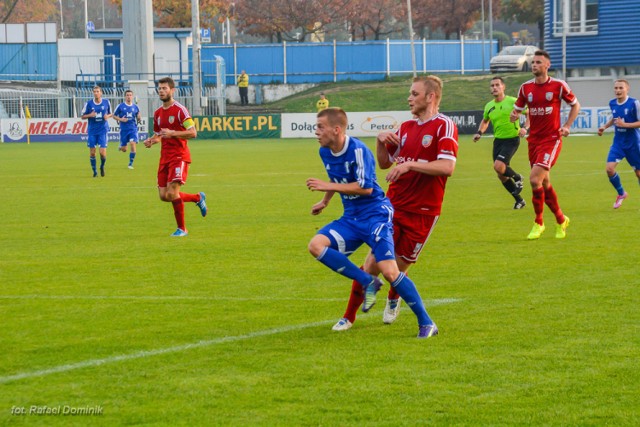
column 288, row 20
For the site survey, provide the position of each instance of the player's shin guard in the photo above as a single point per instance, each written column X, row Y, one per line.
column 356, row 298
column 551, row 199
column 103, row 160
column 132, row 157
column 537, row 199
column 92, row 161
column 510, row 186
column 178, row 212
column 339, row 263
column 409, row 293
column 617, row 183
column 186, row 197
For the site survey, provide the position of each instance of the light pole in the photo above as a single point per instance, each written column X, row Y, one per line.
column 195, row 51
column 61, row 20
column 86, row 20
column 413, row 51
column 490, row 29
column 483, row 35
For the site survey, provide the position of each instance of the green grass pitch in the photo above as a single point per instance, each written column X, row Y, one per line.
column 231, row 325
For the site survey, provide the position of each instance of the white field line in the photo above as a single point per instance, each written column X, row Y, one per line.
column 92, row 363
column 175, row 298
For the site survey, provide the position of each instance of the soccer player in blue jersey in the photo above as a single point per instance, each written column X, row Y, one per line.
column 367, row 217
column 625, row 116
column 128, row 115
column 97, row 111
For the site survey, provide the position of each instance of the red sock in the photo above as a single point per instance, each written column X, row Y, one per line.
column 178, row 212
column 392, row 293
column 355, row 301
column 186, row 197
column 538, row 203
column 551, row 199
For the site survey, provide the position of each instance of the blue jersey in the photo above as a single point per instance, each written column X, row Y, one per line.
column 97, row 124
column 355, row 163
column 629, row 110
column 131, row 113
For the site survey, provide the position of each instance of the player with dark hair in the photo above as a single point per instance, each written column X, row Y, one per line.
column 97, row 111
column 127, row 114
column 172, row 126
column 424, row 151
column 625, row 117
column 366, row 219
column 506, row 138
column 543, row 96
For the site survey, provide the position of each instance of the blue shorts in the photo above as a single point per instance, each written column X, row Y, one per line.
column 347, row 236
column 617, row 152
column 127, row 136
column 97, row 141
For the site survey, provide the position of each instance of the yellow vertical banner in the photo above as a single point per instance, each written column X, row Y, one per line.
column 27, row 115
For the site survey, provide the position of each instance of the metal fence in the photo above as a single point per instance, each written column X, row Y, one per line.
column 68, row 102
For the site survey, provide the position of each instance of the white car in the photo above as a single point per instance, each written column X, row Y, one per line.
column 513, row 58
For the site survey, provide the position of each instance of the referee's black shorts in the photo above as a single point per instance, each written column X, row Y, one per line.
column 505, row 148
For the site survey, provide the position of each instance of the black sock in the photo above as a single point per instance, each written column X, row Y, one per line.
column 509, row 173
column 510, row 186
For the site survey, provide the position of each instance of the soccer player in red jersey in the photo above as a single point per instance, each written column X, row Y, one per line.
column 424, row 151
column 172, row 126
column 543, row 95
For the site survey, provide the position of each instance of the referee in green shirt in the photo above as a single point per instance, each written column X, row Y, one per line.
column 507, row 138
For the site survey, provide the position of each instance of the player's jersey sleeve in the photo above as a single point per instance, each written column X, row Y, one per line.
column 487, row 110
column 636, row 104
column 566, row 94
column 393, row 149
column 156, row 121
column 521, row 100
column 365, row 167
column 118, row 111
column 85, row 109
column 107, row 109
column 448, row 140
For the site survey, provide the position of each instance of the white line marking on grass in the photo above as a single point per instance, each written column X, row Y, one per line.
column 92, row 363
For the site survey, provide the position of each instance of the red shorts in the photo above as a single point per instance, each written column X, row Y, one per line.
column 544, row 153
column 172, row 171
column 410, row 233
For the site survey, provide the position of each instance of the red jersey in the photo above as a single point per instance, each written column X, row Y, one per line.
column 437, row 138
column 174, row 118
column 544, row 102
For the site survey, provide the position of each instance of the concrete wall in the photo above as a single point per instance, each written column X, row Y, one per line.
column 597, row 92
column 267, row 93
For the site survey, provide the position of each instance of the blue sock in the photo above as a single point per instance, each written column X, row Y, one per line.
column 407, row 290
column 92, row 160
column 339, row 263
column 617, row 184
column 103, row 160
column 131, row 157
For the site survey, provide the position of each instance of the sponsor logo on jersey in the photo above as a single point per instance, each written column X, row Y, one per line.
column 426, row 140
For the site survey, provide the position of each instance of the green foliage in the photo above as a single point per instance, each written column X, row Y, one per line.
column 230, row 326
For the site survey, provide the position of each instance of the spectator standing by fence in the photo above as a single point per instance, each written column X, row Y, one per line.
column 243, row 87
column 323, row 103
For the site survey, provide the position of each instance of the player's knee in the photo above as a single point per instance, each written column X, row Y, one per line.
column 315, row 248
column 611, row 170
